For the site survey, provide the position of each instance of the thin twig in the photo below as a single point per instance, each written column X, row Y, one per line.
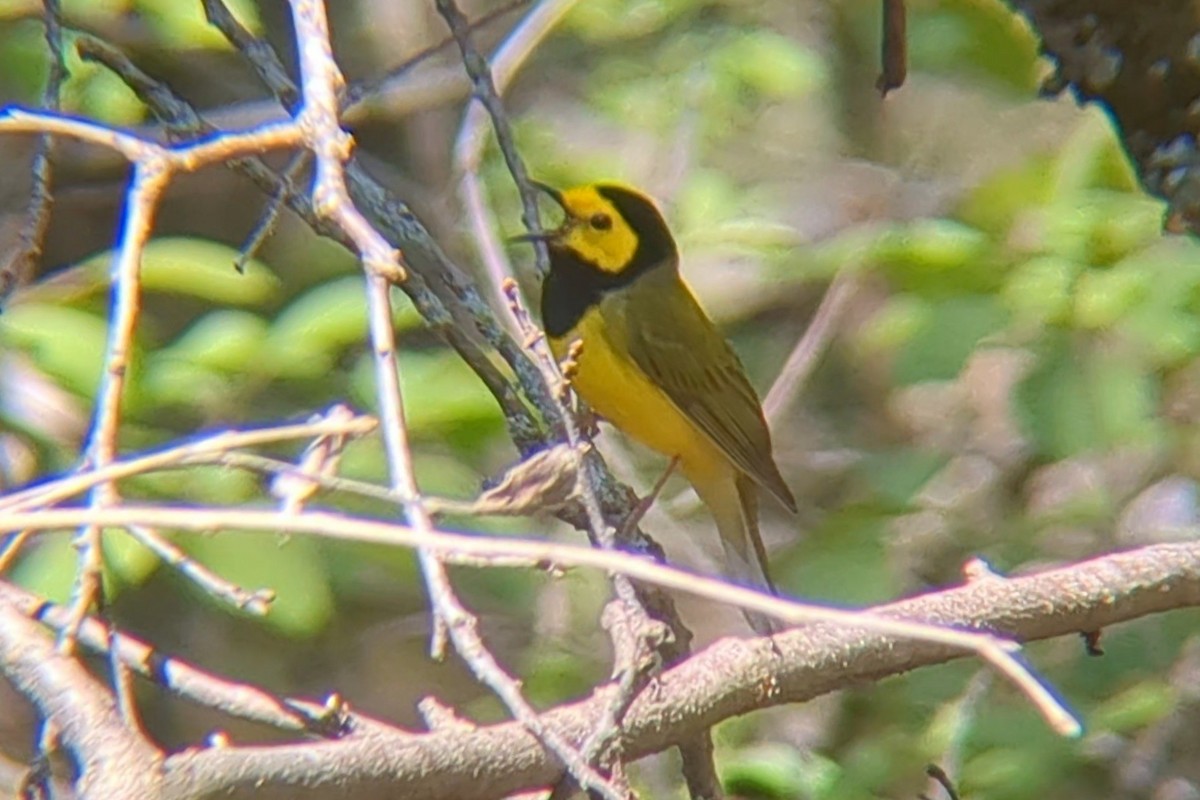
column 321, row 82
column 729, row 678
column 153, row 167
column 939, row 777
column 438, row 289
column 488, row 81
column 810, row 347
column 600, row 532
column 593, row 479
column 725, row 680
column 265, row 226
column 202, row 450
column 114, row 760
column 363, row 91
column 150, row 179
column 966, row 710
column 518, row 552
column 256, row 602
column 122, row 684
column 37, row 214
column 603, row 535
column 486, row 89
column 353, row 94
column 507, row 552
column 12, row 547
column 185, row 680
column 258, row 52
column 893, row 56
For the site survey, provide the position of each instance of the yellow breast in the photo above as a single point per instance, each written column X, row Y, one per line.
column 616, row 389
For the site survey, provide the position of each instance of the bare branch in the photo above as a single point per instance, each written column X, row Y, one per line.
column 201, row 450
column 114, row 761
column 516, row 552
column 321, row 83
column 183, row 679
column 22, row 264
column 811, row 346
column 731, row 677
column 149, row 181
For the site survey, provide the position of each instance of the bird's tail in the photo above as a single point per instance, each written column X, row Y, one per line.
column 733, row 502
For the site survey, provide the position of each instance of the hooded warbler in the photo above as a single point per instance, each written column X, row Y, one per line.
column 652, row 363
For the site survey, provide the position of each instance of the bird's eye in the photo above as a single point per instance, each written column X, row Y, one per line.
column 601, row 222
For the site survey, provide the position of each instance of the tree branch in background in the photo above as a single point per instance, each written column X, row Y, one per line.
column 729, row 678
column 622, row 720
column 480, row 551
column 427, row 280
column 20, row 265
column 321, row 83
column 154, row 165
column 113, row 760
column 189, row 682
column 1141, row 63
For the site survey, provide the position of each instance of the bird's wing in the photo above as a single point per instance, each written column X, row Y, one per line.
column 673, row 341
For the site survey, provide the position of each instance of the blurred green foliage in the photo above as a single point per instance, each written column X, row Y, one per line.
column 1053, row 256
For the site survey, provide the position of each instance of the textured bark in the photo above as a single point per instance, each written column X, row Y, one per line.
column 1141, row 62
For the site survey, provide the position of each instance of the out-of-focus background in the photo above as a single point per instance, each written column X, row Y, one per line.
column 1013, row 373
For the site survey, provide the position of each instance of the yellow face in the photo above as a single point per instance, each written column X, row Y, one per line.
column 595, row 230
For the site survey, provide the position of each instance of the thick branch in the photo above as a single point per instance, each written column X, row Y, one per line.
column 730, row 678
column 113, row 760
column 1140, row 62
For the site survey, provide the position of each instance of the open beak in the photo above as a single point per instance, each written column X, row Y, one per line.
column 536, row 236
column 543, row 236
column 550, row 191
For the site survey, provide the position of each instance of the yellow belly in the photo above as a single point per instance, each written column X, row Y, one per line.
column 621, row 393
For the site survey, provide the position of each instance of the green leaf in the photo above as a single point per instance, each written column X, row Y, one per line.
column 47, row 566
column 208, row 485
column 1077, row 399
column 1171, row 337
column 95, row 92
column 549, row 675
column 1102, row 297
column 193, row 267
column 95, row 12
column 230, row 341
column 1004, row 197
column 940, row 348
column 896, row 323
column 777, row 66
column 937, row 256
column 182, row 25
column 65, row 342
column 983, row 38
column 614, row 20
column 1094, row 227
column 841, row 561
column 127, row 559
column 1136, row 707
column 1018, row 772
column 181, row 383
column 1092, row 158
column 779, row 771
column 23, row 62
column 317, row 327
column 708, row 198
column 896, row 475
column 1040, row 290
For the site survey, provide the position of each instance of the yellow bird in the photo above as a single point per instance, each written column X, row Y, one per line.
column 652, row 363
